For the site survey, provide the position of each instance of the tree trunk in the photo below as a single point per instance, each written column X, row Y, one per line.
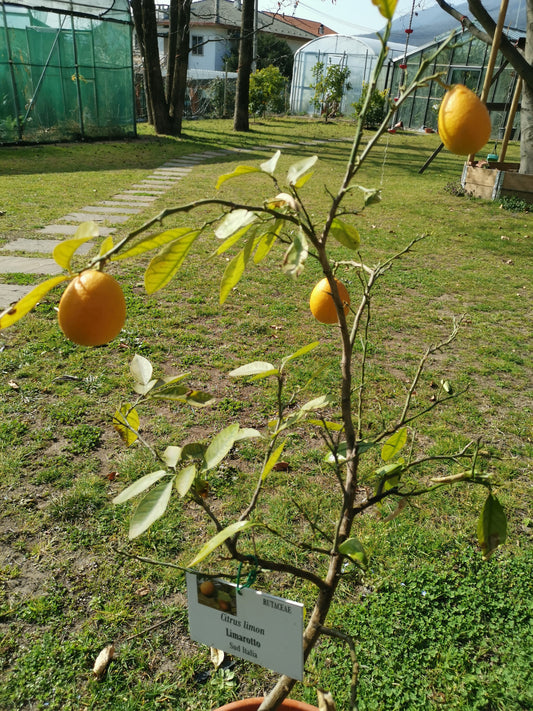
column 246, row 48
column 180, row 61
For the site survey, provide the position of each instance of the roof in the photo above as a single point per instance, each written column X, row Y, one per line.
column 227, row 13
column 116, row 10
column 315, row 28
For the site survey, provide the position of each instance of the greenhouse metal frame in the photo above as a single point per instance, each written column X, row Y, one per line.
column 66, row 71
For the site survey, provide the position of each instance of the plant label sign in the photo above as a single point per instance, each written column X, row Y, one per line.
column 246, row 623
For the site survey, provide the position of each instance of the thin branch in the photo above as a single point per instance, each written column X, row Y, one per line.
column 348, row 639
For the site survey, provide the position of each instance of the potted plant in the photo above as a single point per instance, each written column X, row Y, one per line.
column 373, row 465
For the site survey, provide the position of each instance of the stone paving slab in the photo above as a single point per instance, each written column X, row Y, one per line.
column 69, row 230
column 95, row 217
column 125, row 203
column 132, row 195
column 39, row 245
column 112, row 210
column 154, row 189
column 11, row 293
column 29, row 265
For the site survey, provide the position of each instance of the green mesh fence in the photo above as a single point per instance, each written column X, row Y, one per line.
column 64, row 77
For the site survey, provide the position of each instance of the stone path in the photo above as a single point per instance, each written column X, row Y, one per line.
column 107, row 214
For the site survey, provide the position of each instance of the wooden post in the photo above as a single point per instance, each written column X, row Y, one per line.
column 492, row 58
column 510, row 119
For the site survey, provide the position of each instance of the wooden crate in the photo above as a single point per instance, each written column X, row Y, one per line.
column 497, row 180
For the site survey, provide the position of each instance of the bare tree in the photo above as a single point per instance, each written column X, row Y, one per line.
column 246, row 50
column 521, row 62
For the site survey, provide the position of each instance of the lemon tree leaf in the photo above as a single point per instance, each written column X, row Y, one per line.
column 491, row 527
column 394, row 444
column 386, row 7
column 145, row 482
column 353, row 548
column 296, row 255
column 235, row 270
column 217, row 540
column 258, row 367
column 150, row 508
column 230, row 241
column 233, row 222
column 64, row 251
column 327, row 425
column 317, row 403
column 303, row 180
column 370, row 195
column 272, row 460
column 106, row 245
column 300, row 352
column 153, row 242
column 239, row 170
column 220, row 446
column 266, row 241
column 141, row 369
column 298, row 169
column 126, row 423
column 269, row 166
column 172, row 455
column 15, row 312
column 247, row 433
column 342, row 451
column 185, row 479
column 164, row 266
column 346, row 234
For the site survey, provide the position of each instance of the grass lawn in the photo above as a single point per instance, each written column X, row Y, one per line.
column 435, row 627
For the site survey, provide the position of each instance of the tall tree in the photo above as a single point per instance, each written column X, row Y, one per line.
column 165, row 102
column 521, row 62
column 246, row 55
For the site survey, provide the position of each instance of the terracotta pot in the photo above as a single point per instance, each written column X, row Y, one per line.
column 253, row 705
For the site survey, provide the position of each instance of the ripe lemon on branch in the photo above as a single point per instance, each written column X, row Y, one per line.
column 92, row 309
column 321, row 301
column 464, row 121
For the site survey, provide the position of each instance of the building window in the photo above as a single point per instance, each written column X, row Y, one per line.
column 197, row 45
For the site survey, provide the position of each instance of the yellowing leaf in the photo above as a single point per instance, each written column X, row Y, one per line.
column 230, row 241
column 106, row 245
column 235, row 270
column 394, row 444
column 296, row 255
column 271, row 461
column 269, row 166
column 239, row 170
column 233, row 222
column 145, row 482
column 126, row 423
column 185, row 479
column 353, row 548
column 152, row 242
column 345, row 234
column 14, row 313
column 164, row 267
column 300, row 168
column 64, row 251
column 386, row 7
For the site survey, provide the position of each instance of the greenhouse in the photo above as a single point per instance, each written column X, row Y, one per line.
column 358, row 54
column 65, row 71
column 464, row 61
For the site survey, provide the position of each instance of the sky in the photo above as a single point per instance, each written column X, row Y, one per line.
column 343, row 16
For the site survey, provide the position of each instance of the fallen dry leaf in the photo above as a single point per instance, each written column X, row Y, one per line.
column 103, row 660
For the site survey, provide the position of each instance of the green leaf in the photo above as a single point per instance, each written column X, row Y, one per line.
column 233, row 222
column 386, row 7
column 491, row 527
column 327, row 425
column 126, row 423
column 14, row 313
column 271, row 461
column 152, row 507
column 141, row 369
column 346, row 234
column 230, row 241
column 217, row 540
column 300, row 352
column 145, row 482
column 317, row 403
column 172, row 455
column 300, row 168
column 220, row 446
column 394, row 444
column 353, row 548
column 258, row 367
column 239, row 170
column 266, row 241
column 106, row 245
column 269, row 166
column 370, row 196
column 185, row 479
column 64, row 251
column 235, row 270
column 296, row 255
column 163, row 267
column 247, row 433
column 194, row 450
column 153, row 242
